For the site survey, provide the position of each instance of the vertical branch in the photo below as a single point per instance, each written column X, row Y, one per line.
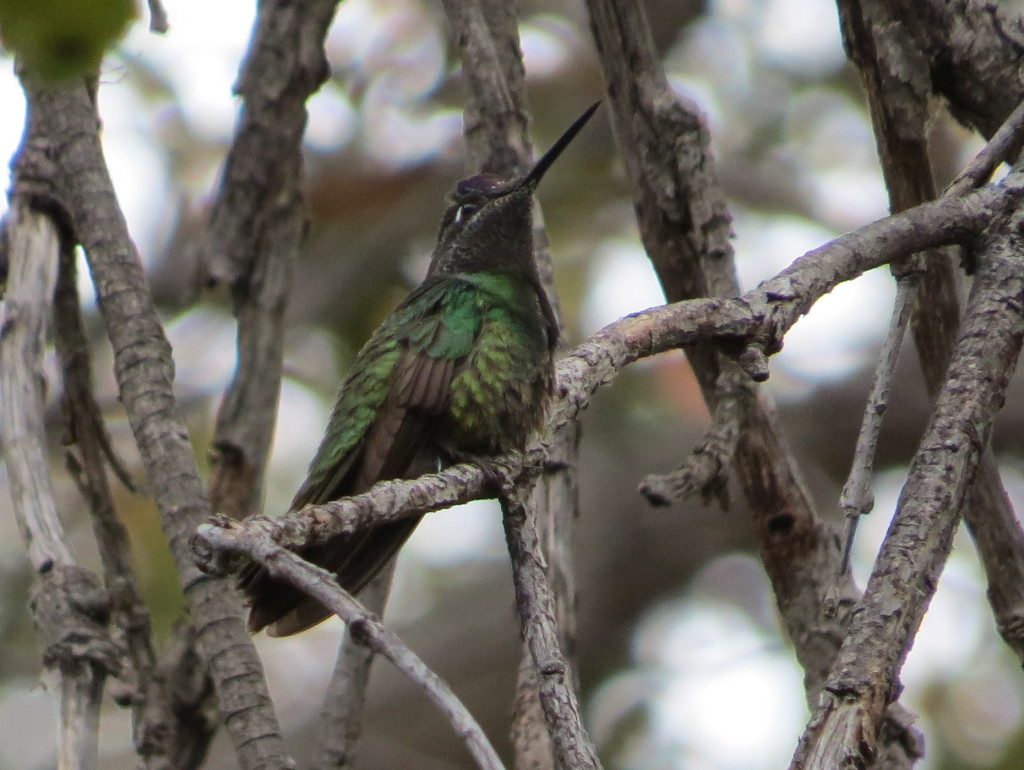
column 252, row 240
column 497, row 140
column 340, row 723
column 254, row 230
column 66, row 116
column 572, row 746
column 154, row 723
column 68, row 605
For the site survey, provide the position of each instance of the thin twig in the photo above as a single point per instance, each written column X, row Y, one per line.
column 856, row 498
column 1003, row 147
column 153, row 724
column 366, row 629
column 705, row 470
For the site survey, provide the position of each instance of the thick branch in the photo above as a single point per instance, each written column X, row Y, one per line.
column 68, row 606
column 284, row 65
column 843, row 731
column 142, row 365
column 973, row 51
column 253, row 235
column 896, row 79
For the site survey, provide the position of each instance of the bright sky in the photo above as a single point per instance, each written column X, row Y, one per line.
column 710, row 665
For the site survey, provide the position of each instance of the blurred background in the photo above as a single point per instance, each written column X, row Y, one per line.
column 682, row 661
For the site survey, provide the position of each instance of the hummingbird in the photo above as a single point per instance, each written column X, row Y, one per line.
column 462, row 368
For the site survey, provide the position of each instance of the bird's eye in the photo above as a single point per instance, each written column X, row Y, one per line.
column 465, row 211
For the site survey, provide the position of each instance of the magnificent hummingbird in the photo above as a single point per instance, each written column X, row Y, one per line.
column 462, row 368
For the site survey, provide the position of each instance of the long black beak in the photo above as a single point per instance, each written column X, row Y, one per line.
column 542, row 165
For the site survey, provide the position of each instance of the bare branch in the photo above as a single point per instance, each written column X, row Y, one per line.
column 705, row 470
column 284, row 65
column 365, row 628
column 896, row 77
column 341, row 716
column 34, row 254
column 685, row 227
column 1003, row 147
column 495, row 121
column 573, row 747
column 69, row 607
column 255, row 226
column 153, row 720
column 856, row 499
column 843, row 731
column 971, row 53
column 65, row 114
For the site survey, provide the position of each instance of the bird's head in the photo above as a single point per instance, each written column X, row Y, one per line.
column 489, row 224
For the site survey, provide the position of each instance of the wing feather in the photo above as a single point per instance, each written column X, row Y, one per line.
column 407, row 368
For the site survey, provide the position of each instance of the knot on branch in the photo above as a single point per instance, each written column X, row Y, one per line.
column 214, row 547
column 754, row 362
column 35, row 172
column 71, row 611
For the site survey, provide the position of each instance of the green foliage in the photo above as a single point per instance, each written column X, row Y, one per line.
column 60, row 39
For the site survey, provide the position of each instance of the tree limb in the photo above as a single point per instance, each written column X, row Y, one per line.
column 65, row 114
column 896, row 80
column 844, row 727
column 68, row 605
column 365, row 627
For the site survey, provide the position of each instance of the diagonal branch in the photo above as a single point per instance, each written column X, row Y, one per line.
column 896, row 81
column 844, row 728
column 365, row 627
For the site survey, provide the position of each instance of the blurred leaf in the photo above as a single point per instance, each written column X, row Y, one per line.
column 60, row 39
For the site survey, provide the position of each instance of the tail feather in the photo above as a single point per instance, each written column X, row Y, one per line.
column 284, row 610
